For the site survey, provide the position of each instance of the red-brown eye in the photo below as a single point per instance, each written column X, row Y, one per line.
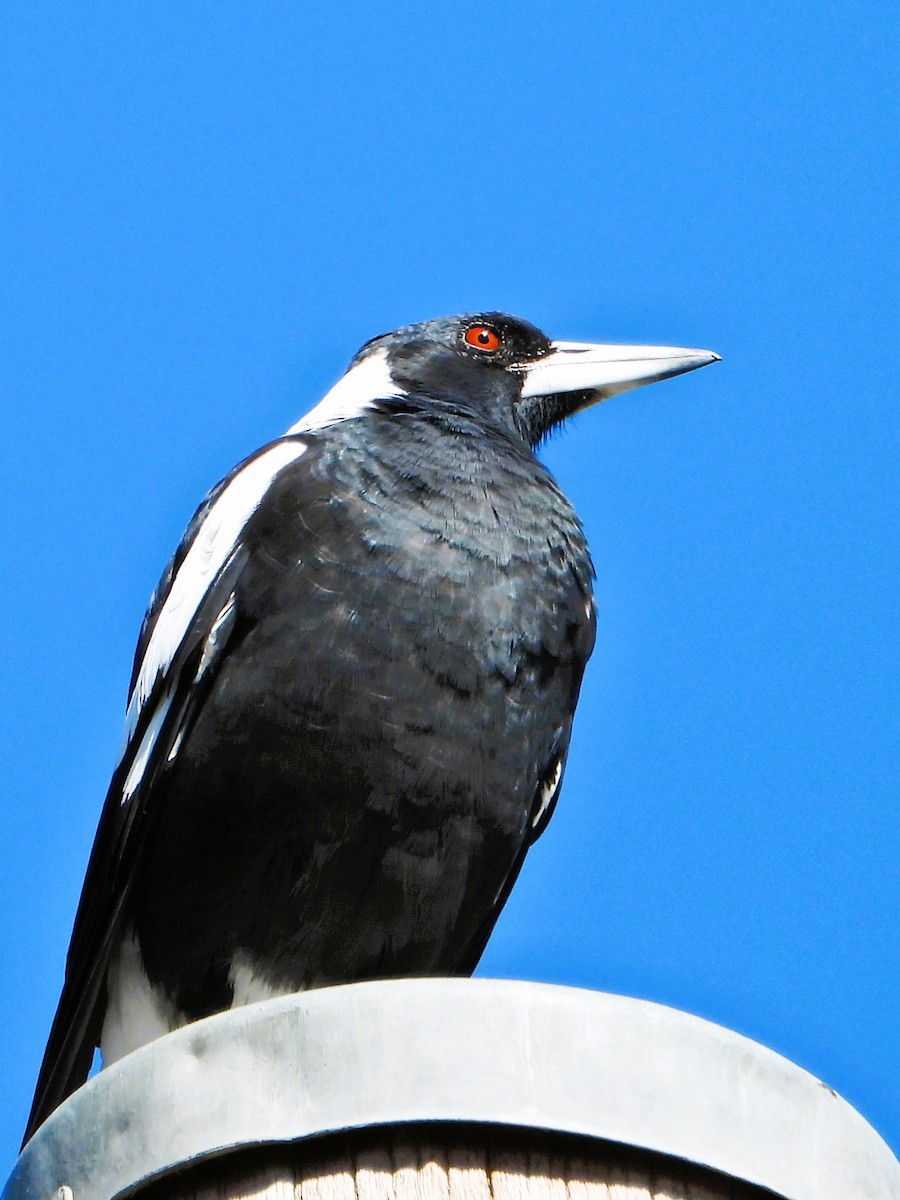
column 482, row 337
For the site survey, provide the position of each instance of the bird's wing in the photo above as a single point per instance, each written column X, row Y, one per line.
column 548, row 792
column 581, row 632
column 575, row 649
column 192, row 616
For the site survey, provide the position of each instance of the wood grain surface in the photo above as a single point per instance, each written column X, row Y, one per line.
column 448, row 1162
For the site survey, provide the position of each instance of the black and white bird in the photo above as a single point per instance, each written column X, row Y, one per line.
column 352, row 695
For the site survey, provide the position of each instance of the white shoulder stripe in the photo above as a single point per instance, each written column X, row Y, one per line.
column 208, row 553
column 353, row 394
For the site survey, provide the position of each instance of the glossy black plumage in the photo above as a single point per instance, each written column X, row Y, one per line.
column 400, row 813
column 352, row 697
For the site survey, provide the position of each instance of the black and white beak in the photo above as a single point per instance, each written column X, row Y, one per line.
column 602, row 371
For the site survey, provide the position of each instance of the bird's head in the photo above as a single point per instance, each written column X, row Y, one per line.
column 495, row 368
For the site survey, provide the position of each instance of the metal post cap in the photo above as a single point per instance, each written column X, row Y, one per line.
column 520, row 1054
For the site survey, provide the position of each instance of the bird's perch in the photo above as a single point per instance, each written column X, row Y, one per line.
column 455, row 1090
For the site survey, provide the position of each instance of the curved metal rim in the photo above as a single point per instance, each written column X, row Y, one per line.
column 507, row 1053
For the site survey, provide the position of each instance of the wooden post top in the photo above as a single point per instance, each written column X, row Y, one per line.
column 457, row 1053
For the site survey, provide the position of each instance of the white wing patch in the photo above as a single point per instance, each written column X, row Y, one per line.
column 148, row 741
column 217, row 636
column 355, row 393
column 210, row 550
column 548, row 791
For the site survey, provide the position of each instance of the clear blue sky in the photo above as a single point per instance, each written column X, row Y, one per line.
column 206, row 208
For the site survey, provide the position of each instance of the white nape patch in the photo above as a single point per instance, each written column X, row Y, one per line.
column 209, row 551
column 247, row 986
column 548, row 791
column 355, row 393
column 136, row 1011
column 148, row 741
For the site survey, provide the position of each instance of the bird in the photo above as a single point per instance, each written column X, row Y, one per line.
column 352, row 694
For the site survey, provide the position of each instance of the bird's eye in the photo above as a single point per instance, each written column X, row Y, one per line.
column 482, row 337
